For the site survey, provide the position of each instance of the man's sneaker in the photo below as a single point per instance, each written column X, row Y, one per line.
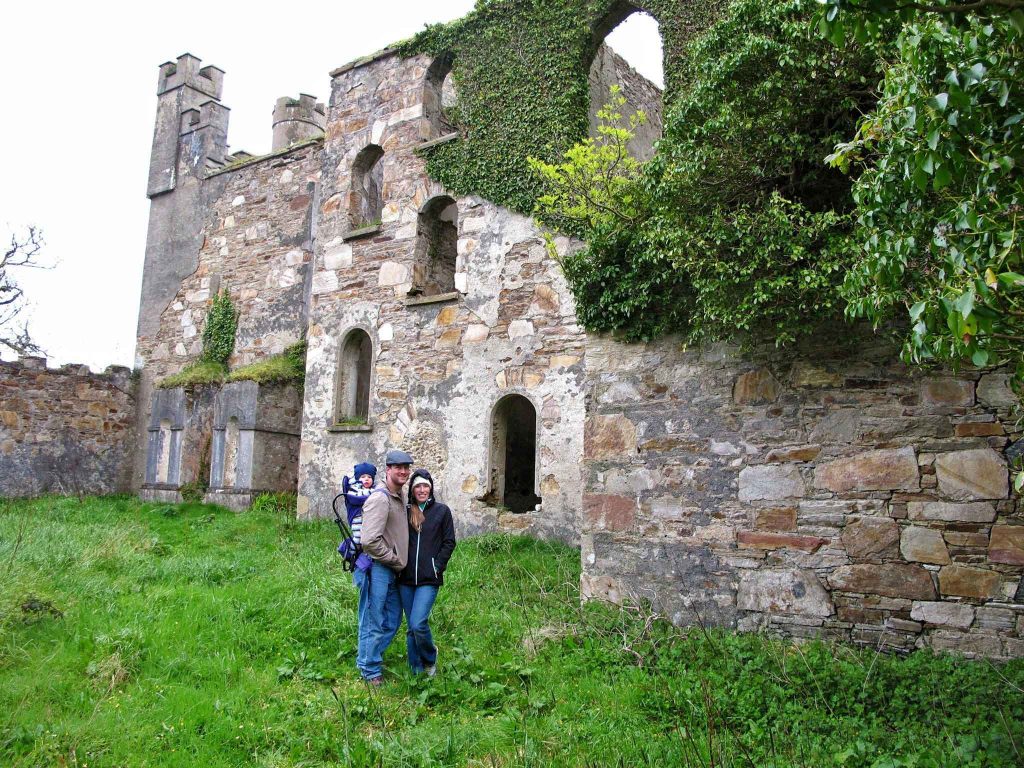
column 376, row 682
column 431, row 669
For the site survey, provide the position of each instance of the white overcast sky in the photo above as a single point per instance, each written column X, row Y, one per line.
column 79, row 95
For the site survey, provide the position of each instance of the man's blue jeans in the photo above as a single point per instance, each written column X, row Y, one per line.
column 380, row 613
column 416, row 603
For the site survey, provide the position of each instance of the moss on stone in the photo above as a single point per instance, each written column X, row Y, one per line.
column 196, row 374
column 289, row 367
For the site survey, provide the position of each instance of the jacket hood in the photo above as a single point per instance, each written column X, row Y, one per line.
column 421, row 473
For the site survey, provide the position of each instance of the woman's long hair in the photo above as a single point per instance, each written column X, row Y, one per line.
column 416, row 516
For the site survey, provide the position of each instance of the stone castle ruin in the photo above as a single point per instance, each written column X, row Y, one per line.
column 824, row 491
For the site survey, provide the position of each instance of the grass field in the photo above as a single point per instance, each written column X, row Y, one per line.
column 139, row 634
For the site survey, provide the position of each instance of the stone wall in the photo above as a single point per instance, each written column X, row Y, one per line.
column 834, row 494
column 608, row 69
column 255, row 445
column 256, row 243
column 440, row 364
column 179, row 441
column 64, row 430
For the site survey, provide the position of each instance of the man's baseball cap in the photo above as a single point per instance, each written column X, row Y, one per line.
column 397, row 457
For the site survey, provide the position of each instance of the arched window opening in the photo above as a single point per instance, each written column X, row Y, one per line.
column 366, row 199
column 353, row 400
column 437, row 240
column 628, row 53
column 439, row 97
column 513, row 457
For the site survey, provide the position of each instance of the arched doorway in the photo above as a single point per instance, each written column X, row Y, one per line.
column 513, row 455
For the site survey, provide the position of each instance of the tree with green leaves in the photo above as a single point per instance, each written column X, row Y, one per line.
column 736, row 227
column 939, row 186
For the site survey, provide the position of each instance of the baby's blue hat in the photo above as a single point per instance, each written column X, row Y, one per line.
column 364, row 469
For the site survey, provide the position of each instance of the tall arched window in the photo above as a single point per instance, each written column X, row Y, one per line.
column 513, row 455
column 366, row 201
column 627, row 51
column 439, row 96
column 437, row 240
column 353, row 395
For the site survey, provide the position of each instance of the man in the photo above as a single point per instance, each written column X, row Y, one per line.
column 385, row 538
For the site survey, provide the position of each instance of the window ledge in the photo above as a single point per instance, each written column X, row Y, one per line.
column 350, row 428
column 355, row 234
column 416, row 301
column 439, row 140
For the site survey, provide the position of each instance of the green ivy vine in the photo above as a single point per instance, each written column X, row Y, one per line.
column 520, row 72
column 219, row 333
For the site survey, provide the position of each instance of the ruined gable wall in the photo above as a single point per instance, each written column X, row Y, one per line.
column 256, row 242
column 608, row 69
column 836, row 493
column 438, row 367
column 64, row 430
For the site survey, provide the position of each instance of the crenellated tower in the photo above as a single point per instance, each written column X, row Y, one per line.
column 188, row 107
column 297, row 120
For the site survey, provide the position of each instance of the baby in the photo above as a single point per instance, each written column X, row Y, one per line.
column 355, row 494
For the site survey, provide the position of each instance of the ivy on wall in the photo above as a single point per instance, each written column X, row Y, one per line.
column 520, row 72
column 736, row 227
column 219, row 333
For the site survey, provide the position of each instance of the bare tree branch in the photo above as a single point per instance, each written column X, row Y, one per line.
column 22, row 252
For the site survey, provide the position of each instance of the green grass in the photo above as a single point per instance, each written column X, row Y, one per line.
column 139, row 634
column 196, row 374
column 289, row 367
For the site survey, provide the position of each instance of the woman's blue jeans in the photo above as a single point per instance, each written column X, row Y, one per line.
column 416, row 603
column 380, row 613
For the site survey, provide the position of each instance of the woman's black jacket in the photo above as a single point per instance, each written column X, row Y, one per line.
column 430, row 547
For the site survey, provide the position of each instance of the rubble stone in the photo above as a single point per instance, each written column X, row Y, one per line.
column 871, row 538
column 888, row 469
column 771, row 482
column 923, row 545
column 978, row 473
column 890, row 580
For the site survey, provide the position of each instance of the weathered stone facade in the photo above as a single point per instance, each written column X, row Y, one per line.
column 827, row 492
column 834, row 494
column 64, row 430
column 441, row 362
column 255, row 445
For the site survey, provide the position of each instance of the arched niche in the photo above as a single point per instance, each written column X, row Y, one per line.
column 437, row 240
column 366, row 198
column 439, row 97
column 163, row 467
column 355, row 358
column 231, row 437
column 512, row 481
column 626, row 50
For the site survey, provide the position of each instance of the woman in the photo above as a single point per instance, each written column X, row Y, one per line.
column 431, row 543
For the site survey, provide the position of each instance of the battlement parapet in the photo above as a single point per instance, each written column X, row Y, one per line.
column 297, row 120
column 118, row 374
column 209, row 113
column 186, row 71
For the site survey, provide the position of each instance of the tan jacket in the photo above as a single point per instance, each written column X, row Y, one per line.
column 385, row 535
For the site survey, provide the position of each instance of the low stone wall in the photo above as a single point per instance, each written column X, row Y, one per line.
column 64, row 430
column 835, row 494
